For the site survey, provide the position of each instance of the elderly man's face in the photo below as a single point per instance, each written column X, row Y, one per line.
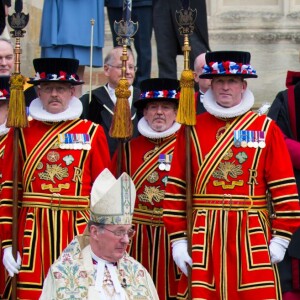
column 6, row 58
column 107, row 244
column 160, row 115
column 228, row 90
column 113, row 70
column 55, row 96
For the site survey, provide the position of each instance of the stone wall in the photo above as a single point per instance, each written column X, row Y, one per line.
column 269, row 29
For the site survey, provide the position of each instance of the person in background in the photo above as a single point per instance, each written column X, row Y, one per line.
column 236, row 157
column 4, row 101
column 103, row 98
column 147, row 159
column 203, row 84
column 285, row 111
column 59, row 157
column 7, row 61
column 4, row 7
column 66, row 32
column 95, row 265
column 169, row 41
column 7, row 58
column 141, row 13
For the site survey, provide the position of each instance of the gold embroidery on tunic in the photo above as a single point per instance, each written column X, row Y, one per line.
column 227, row 169
column 157, row 211
column 153, row 177
column 77, row 175
column 53, row 189
column 40, row 166
column 53, row 156
column 228, row 155
column 150, row 153
column 227, row 186
column 222, row 130
column 252, row 176
column 56, row 145
column 54, row 171
column 152, row 193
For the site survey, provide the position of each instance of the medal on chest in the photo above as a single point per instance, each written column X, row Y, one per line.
column 164, row 162
column 249, row 138
column 74, row 141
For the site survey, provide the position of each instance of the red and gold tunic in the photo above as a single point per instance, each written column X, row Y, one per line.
column 231, row 225
column 53, row 193
column 151, row 246
column 2, row 269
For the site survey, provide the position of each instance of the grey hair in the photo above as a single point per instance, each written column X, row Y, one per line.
column 110, row 57
column 7, row 41
column 91, row 223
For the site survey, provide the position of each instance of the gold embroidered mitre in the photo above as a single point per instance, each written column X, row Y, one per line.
column 112, row 200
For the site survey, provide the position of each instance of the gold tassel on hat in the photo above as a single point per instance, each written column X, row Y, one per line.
column 17, row 116
column 121, row 126
column 186, row 111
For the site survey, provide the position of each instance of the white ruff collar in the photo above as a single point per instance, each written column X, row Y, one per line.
column 148, row 132
column 73, row 111
column 3, row 129
column 222, row 112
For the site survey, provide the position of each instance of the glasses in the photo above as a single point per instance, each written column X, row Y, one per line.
column 121, row 233
column 129, row 67
column 59, row 89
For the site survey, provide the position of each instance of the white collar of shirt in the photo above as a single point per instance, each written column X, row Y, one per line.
column 201, row 96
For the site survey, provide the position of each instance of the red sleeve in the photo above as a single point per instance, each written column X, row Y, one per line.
column 174, row 204
column 281, row 183
column 100, row 153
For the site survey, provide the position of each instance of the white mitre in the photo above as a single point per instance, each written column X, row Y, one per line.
column 112, row 200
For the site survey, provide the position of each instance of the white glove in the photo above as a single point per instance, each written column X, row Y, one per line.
column 9, row 262
column 181, row 256
column 277, row 248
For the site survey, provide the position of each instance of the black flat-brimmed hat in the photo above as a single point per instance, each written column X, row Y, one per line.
column 228, row 63
column 4, row 88
column 56, row 70
column 158, row 89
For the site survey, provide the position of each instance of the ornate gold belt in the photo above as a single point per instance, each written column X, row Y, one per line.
column 55, row 201
column 229, row 202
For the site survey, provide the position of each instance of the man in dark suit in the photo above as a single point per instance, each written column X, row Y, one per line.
column 101, row 108
column 203, row 84
column 141, row 13
column 169, row 42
